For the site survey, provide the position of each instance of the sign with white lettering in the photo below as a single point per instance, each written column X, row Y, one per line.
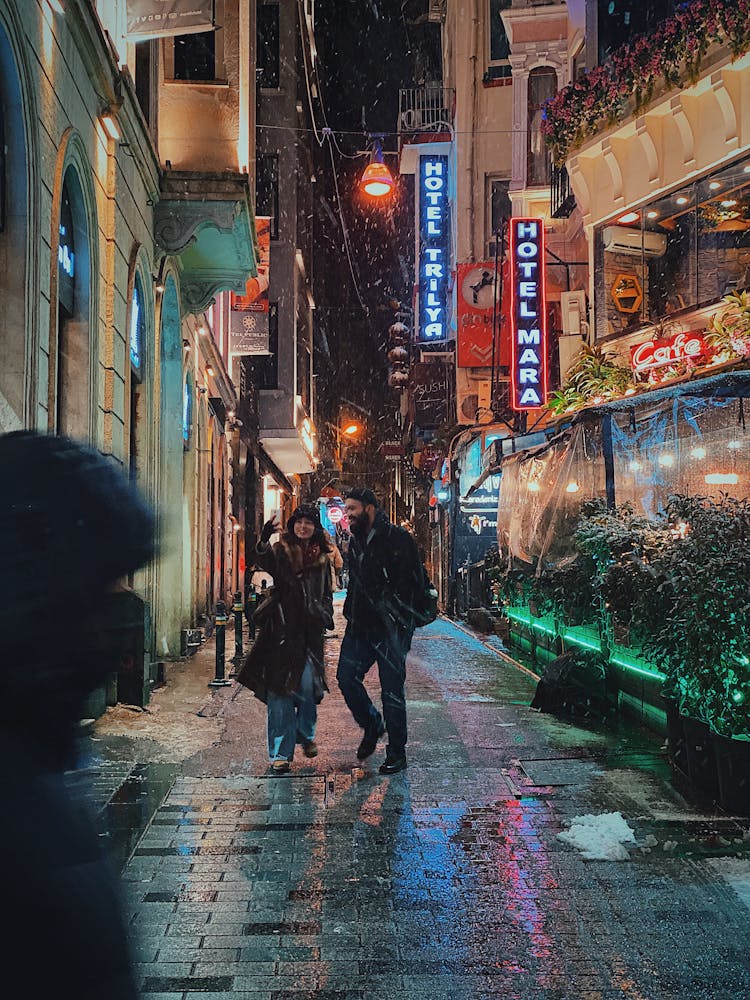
column 528, row 315
column 434, row 263
column 431, row 388
column 248, row 314
column 160, row 18
column 652, row 354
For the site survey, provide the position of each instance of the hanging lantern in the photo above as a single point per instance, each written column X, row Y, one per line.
column 376, row 179
column 397, row 379
column 398, row 354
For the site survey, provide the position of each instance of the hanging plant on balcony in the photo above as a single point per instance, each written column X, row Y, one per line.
column 729, row 330
column 595, row 376
column 673, row 54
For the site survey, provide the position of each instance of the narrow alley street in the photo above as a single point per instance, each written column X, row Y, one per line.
column 445, row 881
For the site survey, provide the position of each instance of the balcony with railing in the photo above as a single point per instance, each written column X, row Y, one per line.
column 562, row 199
column 425, row 109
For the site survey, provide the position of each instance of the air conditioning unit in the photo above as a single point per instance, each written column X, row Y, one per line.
column 633, row 242
column 573, row 309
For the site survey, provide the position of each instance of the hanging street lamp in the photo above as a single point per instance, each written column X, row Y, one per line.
column 376, row 181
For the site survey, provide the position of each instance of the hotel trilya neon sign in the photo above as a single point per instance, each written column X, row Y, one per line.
column 528, row 315
column 434, row 248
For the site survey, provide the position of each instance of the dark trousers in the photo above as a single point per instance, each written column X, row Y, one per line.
column 358, row 653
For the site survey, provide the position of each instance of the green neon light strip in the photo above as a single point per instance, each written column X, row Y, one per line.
column 526, row 619
column 590, row 644
column 635, row 668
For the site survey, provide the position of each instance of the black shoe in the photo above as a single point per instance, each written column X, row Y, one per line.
column 394, row 762
column 370, row 740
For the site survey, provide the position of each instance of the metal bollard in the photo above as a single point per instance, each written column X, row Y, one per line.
column 252, row 602
column 237, row 609
column 221, row 640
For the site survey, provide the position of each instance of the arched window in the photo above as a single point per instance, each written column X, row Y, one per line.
column 542, row 87
column 187, row 412
column 137, row 328
column 136, row 339
column 73, row 303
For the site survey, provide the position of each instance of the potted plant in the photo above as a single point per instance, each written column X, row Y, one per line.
column 703, row 642
column 595, row 376
column 729, row 330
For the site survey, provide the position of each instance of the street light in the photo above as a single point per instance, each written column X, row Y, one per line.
column 351, row 429
column 376, row 179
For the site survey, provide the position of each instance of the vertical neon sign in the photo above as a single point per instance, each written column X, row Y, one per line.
column 528, row 315
column 434, row 248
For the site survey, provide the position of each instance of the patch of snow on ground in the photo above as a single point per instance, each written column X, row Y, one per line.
column 736, row 873
column 599, row 838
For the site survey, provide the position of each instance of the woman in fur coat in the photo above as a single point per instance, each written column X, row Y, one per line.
column 285, row 667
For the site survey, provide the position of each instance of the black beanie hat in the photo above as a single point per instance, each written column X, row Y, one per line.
column 364, row 495
column 307, row 510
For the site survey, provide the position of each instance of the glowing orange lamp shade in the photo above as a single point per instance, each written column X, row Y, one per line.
column 376, row 180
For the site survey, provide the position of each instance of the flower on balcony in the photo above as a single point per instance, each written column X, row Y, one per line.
column 671, row 54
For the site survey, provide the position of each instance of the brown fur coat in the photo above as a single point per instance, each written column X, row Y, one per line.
column 295, row 629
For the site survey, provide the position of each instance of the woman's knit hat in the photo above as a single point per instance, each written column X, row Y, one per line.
column 309, row 512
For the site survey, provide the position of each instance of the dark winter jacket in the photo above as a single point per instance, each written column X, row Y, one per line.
column 385, row 580
column 71, row 524
column 294, row 631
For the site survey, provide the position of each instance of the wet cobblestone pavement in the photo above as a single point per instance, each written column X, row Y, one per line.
column 445, row 881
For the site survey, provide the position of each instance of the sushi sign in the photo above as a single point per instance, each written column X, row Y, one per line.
column 528, row 315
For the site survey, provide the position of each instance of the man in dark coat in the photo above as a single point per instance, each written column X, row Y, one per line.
column 71, row 525
column 385, row 580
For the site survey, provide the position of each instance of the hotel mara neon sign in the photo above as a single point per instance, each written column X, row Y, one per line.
column 528, row 315
column 434, row 249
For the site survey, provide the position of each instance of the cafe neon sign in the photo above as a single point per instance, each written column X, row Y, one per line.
column 654, row 354
column 528, row 315
column 434, row 249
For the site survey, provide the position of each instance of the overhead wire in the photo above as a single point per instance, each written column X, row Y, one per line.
column 327, row 135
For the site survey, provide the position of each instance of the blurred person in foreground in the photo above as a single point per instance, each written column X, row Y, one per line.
column 71, row 525
column 386, row 580
column 285, row 668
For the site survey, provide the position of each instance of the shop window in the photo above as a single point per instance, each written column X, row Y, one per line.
column 187, row 412
column 137, row 324
column 542, row 87
column 618, row 21
column 498, row 65
column 144, row 78
column 685, row 250
column 195, row 56
column 723, row 232
column 267, row 190
column 268, row 46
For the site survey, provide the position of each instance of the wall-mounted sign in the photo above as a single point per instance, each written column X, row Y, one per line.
column 248, row 313
column 627, row 293
column 654, row 354
column 477, row 288
column 159, row 18
column 431, row 387
column 434, row 251
column 528, row 315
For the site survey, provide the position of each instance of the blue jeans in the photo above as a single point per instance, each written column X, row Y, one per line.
column 358, row 653
column 292, row 717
